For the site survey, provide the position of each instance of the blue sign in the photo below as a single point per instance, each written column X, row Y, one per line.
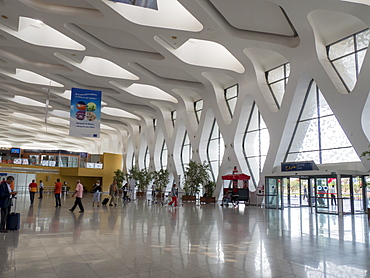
column 298, row 166
column 85, row 113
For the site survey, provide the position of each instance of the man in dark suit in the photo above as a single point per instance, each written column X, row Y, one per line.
column 6, row 195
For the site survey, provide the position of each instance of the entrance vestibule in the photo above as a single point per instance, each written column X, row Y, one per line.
column 344, row 194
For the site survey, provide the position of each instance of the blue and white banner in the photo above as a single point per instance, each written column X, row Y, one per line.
column 85, row 113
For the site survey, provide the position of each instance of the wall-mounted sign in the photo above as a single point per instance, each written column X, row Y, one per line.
column 299, row 166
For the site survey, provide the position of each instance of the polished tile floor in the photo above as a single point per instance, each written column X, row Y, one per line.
column 142, row 240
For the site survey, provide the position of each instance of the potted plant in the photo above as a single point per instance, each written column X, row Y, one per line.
column 144, row 177
column 119, row 176
column 209, row 189
column 196, row 176
column 161, row 178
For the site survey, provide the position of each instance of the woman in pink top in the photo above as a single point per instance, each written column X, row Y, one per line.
column 79, row 194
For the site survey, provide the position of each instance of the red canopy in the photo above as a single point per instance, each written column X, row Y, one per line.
column 236, row 177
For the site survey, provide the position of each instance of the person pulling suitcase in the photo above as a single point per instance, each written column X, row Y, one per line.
column 6, row 196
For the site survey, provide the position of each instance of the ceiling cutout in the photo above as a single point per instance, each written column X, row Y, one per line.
column 117, row 38
column 255, row 15
column 169, row 72
column 31, row 77
column 26, row 101
column 99, row 67
column 170, row 15
column 146, row 91
column 116, row 112
column 203, row 53
column 36, row 32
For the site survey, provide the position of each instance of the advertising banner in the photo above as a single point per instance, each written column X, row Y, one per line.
column 85, row 113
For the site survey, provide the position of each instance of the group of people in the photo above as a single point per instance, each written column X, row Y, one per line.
column 57, row 191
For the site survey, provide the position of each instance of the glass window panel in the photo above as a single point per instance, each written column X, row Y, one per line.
column 215, row 132
column 253, row 124
column 251, row 144
column 278, row 89
column 339, row 155
column 185, row 154
column 275, row 74
column 346, row 68
column 315, row 156
column 232, row 104
column 214, row 169
column 231, row 92
column 310, row 108
column 265, row 141
column 222, row 148
column 199, row 114
column 287, row 69
column 360, row 59
column 332, row 134
column 213, row 152
column 341, row 48
column 199, row 105
column 254, row 167
column 324, row 107
column 306, row 137
column 362, row 39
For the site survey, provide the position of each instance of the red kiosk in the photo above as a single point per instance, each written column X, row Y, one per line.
column 236, row 191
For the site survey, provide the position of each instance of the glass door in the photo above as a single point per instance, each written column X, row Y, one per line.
column 272, row 190
column 358, row 195
column 322, row 199
column 295, row 192
column 346, row 185
column 305, row 190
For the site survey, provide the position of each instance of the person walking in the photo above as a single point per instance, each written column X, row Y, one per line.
column 113, row 193
column 174, row 193
column 79, row 194
column 33, row 189
column 6, row 195
column 57, row 192
column 332, row 193
column 97, row 188
column 41, row 188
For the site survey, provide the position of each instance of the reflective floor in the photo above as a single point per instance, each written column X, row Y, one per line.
column 139, row 239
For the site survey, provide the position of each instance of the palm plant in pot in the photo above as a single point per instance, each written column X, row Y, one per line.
column 144, row 178
column 196, row 176
column 119, row 176
column 161, row 178
column 209, row 189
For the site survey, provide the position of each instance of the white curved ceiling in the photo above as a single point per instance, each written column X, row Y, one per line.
column 134, row 55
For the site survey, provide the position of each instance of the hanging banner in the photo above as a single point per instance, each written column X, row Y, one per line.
column 85, row 113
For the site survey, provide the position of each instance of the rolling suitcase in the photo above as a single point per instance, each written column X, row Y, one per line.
column 13, row 221
column 105, row 201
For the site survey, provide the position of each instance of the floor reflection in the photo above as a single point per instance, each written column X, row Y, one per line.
column 141, row 239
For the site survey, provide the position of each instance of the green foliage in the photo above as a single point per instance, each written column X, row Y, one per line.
column 209, row 188
column 161, row 179
column 196, row 176
column 119, row 176
column 144, row 177
column 366, row 153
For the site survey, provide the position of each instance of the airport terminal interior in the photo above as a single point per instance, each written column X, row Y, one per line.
column 272, row 95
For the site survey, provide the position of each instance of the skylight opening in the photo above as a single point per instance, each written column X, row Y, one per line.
column 205, row 54
column 36, row 32
column 116, row 112
column 32, row 78
column 60, row 113
column 146, row 91
column 27, row 101
column 170, row 14
column 100, row 67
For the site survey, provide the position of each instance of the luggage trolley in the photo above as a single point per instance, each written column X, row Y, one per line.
column 237, row 191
